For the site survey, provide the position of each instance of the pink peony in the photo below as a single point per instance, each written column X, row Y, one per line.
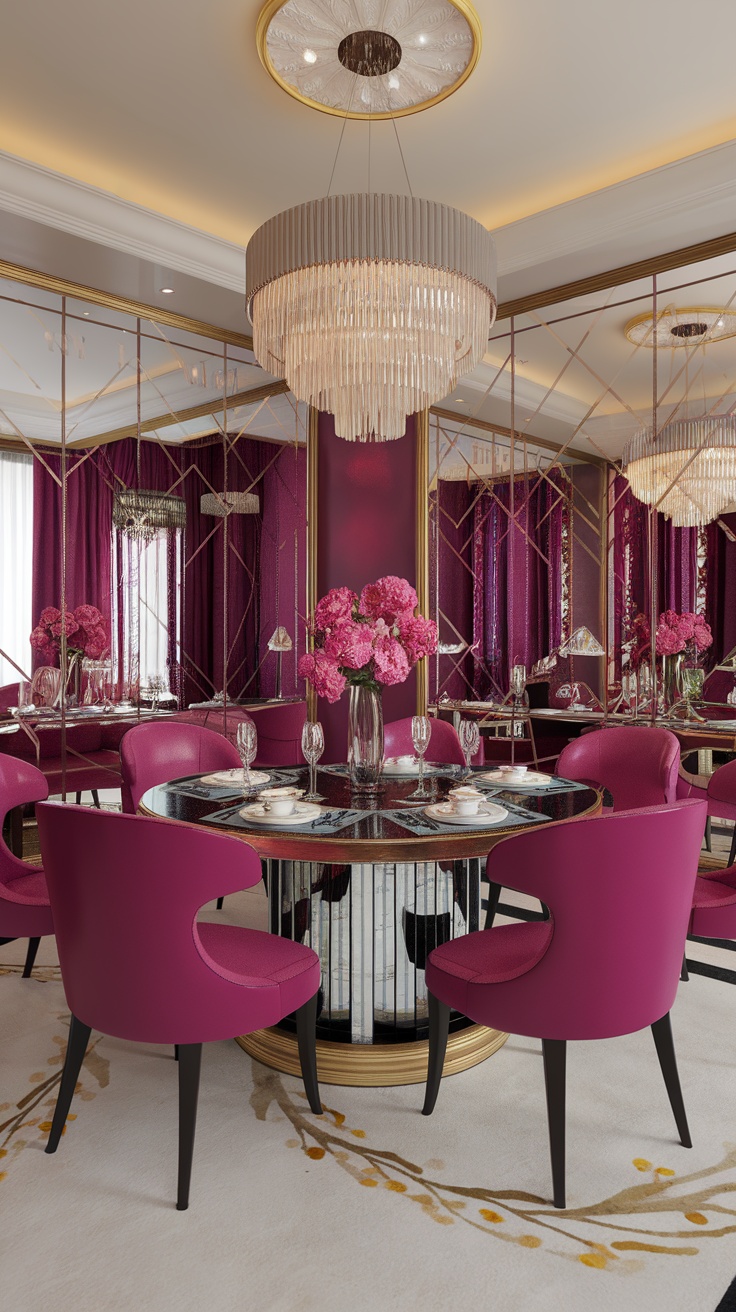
column 686, row 626
column 417, row 636
column 702, row 637
column 336, row 605
column 350, row 644
column 49, row 616
column 65, row 622
column 390, row 661
column 95, row 646
column 387, row 598
column 323, row 675
column 667, row 640
column 89, row 617
column 44, row 645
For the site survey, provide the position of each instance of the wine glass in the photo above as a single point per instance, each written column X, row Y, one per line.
column 421, row 732
column 313, row 745
column 469, row 735
column 247, row 743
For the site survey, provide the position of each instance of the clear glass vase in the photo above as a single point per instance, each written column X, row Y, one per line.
column 671, row 685
column 365, row 738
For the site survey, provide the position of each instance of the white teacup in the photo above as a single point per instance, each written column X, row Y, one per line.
column 280, row 801
column 517, row 772
column 465, row 801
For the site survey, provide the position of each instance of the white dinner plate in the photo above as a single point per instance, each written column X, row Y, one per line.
column 408, row 768
column 235, row 776
column 532, row 779
column 257, row 814
column 489, row 813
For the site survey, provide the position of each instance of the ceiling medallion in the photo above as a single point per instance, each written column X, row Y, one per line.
column 369, row 59
column 691, row 326
column 687, row 470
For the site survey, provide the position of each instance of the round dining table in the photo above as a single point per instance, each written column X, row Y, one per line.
column 372, row 885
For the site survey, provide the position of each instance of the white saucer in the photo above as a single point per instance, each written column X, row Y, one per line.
column 489, row 813
column 532, row 779
column 409, row 769
column 257, row 814
column 235, row 776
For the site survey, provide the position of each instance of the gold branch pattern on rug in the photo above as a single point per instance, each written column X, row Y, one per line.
column 28, row 1112
column 692, row 1207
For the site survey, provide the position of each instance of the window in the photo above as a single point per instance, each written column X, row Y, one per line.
column 16, row 556
column 146, row 609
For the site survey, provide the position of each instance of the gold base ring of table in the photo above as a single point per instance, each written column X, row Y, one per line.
column 372, row 1065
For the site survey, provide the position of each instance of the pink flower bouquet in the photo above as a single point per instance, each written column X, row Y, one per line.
column 687, row 633
column 86, row 633
column 371, row 640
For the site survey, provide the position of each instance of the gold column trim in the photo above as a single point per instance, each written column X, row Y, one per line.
column 373, row 1065
column 312, row 535
column 421, row 422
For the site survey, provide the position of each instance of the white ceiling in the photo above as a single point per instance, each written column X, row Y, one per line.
column 142, row 153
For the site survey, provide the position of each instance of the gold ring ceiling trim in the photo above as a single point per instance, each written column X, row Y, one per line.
column 272, row 7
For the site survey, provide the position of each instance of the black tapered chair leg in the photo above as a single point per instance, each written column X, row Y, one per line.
column 96, row 798
column 190, row 1061
column 662, row 1031
column 30, row 956
column 306, row 1035
column 708, row 836
column 439, row 1028
column 494, row 897
column 75, row 1050
column 732, row 853
column 78, row 798
column 554, row 1052
column 684, row 976
column 220, row 901
column 176, row 1052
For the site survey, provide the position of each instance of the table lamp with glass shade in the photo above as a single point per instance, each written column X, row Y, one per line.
column 279, row 642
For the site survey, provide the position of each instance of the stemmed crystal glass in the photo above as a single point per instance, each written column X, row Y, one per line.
column 313, row 745
column 247, row 744
column 421, row 732
column 469, row 735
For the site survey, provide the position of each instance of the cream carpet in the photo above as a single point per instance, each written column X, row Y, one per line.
column 371, row 1206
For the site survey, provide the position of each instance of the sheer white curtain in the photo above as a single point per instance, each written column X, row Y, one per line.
column 16, row 561
column 140, row 607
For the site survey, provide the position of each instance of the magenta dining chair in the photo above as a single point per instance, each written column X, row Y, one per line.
column 156, row 752
column 25, row 911
column 638, row 766
column 279, row 730
column 722, row 799
column 619, row 887
column 135, row 964
column 444, row 744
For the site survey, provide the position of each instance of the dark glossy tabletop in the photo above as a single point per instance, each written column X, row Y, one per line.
column 375, row 837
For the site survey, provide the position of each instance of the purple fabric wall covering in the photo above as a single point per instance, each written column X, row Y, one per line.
column 283, row 556
column 252, row 570
column 586, row 568
column 678, row 567
column 451, row 584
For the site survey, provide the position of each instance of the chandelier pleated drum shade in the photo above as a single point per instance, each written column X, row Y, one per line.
column 687, row 470
column 371, row 306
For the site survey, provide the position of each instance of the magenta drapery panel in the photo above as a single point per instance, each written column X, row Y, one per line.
column 283, row 554
column 495, row 582
column 209, row 627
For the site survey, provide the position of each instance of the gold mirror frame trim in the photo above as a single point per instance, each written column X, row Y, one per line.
column 372, row 1065
column 272, row 7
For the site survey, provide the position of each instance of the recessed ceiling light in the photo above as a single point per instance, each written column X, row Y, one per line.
column 86, row 314
column 310, row 57
column 422, row 40
column 167, row 291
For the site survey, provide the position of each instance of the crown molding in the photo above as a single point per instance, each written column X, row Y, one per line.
column 59, row 201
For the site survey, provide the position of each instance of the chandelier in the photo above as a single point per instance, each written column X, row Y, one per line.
column 687, row 470
column 371, row 306
column 141, row 514
column 229, row 503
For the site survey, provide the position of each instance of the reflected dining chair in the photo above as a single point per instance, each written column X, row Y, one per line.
column 135, row 963
column 722, row 799
column 25, row 911
column 154, row 753
column 619, row 888
column 638, row 766
column 444, row 743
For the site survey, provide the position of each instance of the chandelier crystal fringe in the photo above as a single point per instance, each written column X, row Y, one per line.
column 141, row 513
column 687, row 470
column 371, row 306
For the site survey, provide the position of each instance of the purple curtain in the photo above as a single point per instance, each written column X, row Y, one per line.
column 451, row 584
column 216, row 637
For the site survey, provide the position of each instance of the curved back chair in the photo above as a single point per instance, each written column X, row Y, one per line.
column 638, row 766
column 125, row 891
column 444, row 744
column 156, row 752
column 619, row 889
column 279, row 733
column 9, row 695
column 722, row 798
column 25, row 911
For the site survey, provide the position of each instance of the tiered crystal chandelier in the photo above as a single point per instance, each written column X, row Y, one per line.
column 142, row 513
column 371, row 306
column 687, row 470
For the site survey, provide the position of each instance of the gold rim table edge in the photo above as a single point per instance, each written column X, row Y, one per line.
column 372, row 1065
